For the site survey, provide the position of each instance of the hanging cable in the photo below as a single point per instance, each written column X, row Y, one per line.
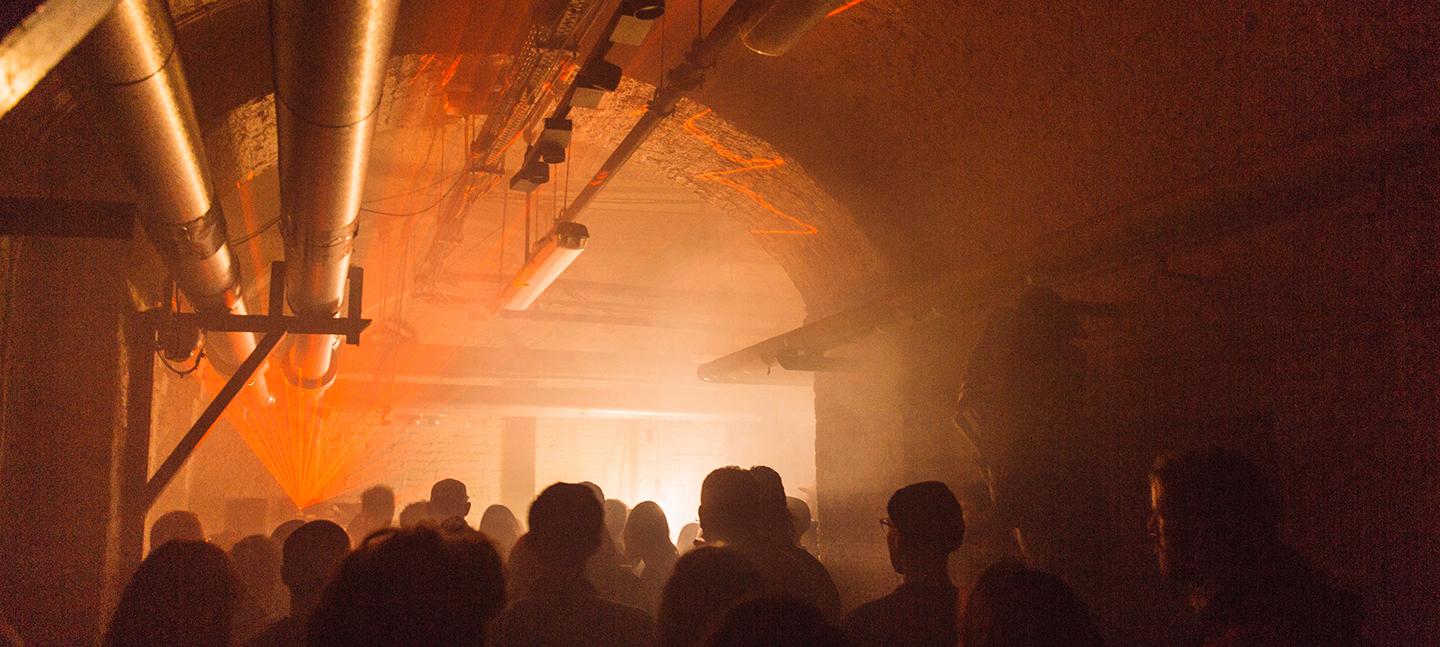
column 436, row 203
column 554, row 202
column 660, row 82
column 527, row 226
column 251, row 236
column 504, row 223
column 199, row 355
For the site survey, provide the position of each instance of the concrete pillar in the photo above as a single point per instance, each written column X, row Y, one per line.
column 517, row 465
column 63, row 423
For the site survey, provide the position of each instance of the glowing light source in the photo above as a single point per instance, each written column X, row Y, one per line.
column 559, row 250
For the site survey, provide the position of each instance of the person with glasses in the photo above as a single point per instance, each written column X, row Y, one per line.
column 925, row 524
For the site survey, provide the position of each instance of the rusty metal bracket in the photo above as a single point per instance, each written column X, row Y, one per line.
column 274, row 326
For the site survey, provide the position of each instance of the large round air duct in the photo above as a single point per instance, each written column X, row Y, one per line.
column 330, row 62
column 153, row 130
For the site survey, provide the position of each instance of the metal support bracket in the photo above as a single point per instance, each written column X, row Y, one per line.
column 273, row 327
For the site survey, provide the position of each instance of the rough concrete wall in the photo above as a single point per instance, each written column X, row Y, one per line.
column 62, row 409
column 1309, row 345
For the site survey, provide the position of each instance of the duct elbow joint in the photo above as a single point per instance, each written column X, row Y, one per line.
column 311, row 362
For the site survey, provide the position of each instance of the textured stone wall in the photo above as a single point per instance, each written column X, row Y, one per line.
column 1309, row 345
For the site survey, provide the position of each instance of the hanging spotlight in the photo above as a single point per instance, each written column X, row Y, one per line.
column 559, row 250
column 177, row 342
column 532, row 175
column 593, row 81
column 785, row 23
column 554, row 139
column 636, row 17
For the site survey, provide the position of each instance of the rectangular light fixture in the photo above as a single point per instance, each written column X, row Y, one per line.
column 558, row 251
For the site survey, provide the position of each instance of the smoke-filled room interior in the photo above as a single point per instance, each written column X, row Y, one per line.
column 687, row 323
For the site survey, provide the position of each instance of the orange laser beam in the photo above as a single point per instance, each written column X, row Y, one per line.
column 842, row 8
column 745, row 165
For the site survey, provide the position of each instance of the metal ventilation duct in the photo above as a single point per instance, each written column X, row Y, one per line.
column 785, row 24
column 152, row 122
column 330, row 62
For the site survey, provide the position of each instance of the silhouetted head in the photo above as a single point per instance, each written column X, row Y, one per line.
column 647, row 532
column 595, row 490
column 706, row 583
column 566, row 523
column 310, row 556
column 411, row 587
column 776, row 620
column 925, row 522
column 1212, row 515
column 616, row 513
column 775, row 519
column 378, row 503
column 800, row 518
column 731, row 505
column 448, row 498
column 522, row 571
column 176, row 525
column 413, row 514
column 1013, row 606
column 689, row 534
column 257, row 563
column 282, row 531
column 500, row 525
column 184, row 593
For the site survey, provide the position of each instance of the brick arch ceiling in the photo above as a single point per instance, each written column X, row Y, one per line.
column 808, row 232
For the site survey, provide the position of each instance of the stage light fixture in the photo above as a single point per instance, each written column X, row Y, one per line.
column 593, row 81
column 532, row 175
column 636, row 17
column 554, row 140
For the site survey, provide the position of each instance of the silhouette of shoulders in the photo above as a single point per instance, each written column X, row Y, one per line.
column 913, row 615
column 574, row 617
column 285, row 632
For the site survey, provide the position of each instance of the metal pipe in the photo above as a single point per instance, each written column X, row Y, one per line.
column 330, row 63
column 141, row 85
column 785, row 23
column 40, row 39
column 686, row 76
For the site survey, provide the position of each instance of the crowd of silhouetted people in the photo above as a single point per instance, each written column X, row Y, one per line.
column 586, row 570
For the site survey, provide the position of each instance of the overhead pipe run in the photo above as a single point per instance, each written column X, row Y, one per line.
column 785, row 23
column 40, row 39
column 132, row 55
column 330, row 62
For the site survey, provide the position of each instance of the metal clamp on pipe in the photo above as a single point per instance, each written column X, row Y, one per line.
column 145, row 102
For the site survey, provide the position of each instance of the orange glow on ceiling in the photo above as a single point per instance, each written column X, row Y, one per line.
column 321, row 444
column 842, row 8
column 745, row 165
